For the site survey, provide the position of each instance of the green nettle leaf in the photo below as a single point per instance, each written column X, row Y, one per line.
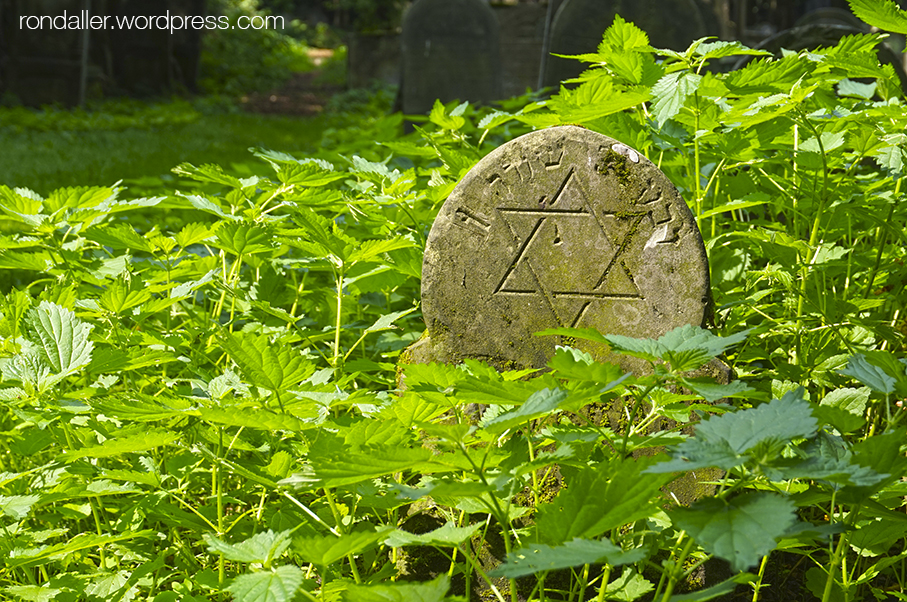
column 628, row 587
column 685, row 348
column 877, row 537
column 119, row 237
column 274, row 366
column 671, row 92
column 262, row 548
column 244, row 238
column 723, row 441
column 123, row 445
column 254, row 418
column 536, row 558
column 449, row 535
column 600, row 498
column 33, row 593
column 741, row 530
column 869, row 374
column 428, row 591
column 278, row 585
column 123, row 295
column 17, row 506
column 207, row 173
column 62, row 337
column 541, row 403
column 339, row 467
column 884, row 14
column 328, row 549
column 308, row 174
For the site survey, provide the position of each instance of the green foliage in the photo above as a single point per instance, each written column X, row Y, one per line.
column 237, row 61
column 200, row 391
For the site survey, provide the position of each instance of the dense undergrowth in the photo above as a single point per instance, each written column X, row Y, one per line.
column 200, row 393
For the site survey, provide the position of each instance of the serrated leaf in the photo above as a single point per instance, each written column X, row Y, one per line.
column 33, row 593
column 720, row 49
column 262, row 547
column 884, row 14
column 448, row 535
column 83, row 541
column 685, row 348
column 540, row 403
column 324, row 550
column 122, row 295
column 599, row 498
column 337, row 467
column 308, row 174
column 254, row 418
column 428, row 591
column 119, row 236
column 124, row 445
column 17, row 506
column 628, row 587
column 275, row 367
column 741, row 530
column 723, row 441
column 63, row 338
column 671, row 92
column 243, row 238
column 869, row 374
column 278, row 585
column 877, row 537
column 537, row 558
column 850, row 400
column 207, row 173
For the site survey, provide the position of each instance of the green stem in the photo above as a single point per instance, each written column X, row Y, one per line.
column 338, row 323
column 219, row 484
column 677, row 570
column 883, row 240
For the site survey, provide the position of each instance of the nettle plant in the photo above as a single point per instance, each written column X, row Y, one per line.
column 199, row 396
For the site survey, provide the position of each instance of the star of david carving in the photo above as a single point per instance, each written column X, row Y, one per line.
column 548, row 240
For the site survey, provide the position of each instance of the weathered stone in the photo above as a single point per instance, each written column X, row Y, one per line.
column 579, row 24
column 451, row 51
column 560, row 227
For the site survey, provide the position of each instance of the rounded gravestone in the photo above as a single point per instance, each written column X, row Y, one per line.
column 450, row 51
column 562, row 227
column 579, row 25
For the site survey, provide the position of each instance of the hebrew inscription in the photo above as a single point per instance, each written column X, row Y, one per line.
column 562, row 227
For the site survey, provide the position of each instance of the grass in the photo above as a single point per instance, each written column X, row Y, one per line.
column 141, row 155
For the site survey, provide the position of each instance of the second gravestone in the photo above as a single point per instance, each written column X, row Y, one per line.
column 560, row 227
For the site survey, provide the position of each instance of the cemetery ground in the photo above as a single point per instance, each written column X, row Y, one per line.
column 201, row 376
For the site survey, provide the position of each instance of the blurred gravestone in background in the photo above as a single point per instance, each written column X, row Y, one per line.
column 578, row 27
column 152, row 61
column 39, row 67
column 451, row 51
column 44, row 66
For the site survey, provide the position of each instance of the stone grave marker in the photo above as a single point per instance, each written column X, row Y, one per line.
column 451, row 51
column 579, row 24
column 559, row 227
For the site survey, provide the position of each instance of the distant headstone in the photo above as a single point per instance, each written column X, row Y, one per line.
column 559, row 227
column 579, row 24
column 451, row 51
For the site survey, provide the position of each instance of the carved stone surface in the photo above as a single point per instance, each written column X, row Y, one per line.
column 451, row 51
column 560, row 227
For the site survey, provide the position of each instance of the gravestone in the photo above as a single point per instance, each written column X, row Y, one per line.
column 451, row 51
column 579, row 24
column 562, row 227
